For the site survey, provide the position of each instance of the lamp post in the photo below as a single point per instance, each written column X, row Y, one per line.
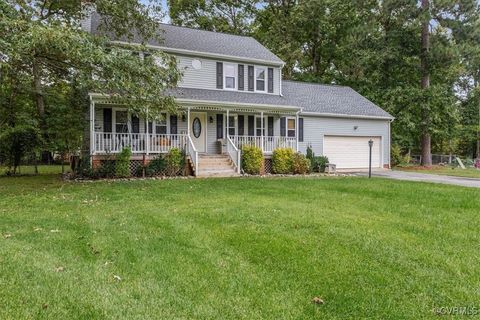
column 370, row 145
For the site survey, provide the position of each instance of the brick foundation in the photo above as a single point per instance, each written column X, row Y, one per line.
column 386, row 166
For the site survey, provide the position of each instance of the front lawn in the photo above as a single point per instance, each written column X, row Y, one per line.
column 443, row 170
column 259, row 248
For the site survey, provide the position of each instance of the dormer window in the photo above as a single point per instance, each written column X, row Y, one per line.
column 260, row 79
column 230, row 76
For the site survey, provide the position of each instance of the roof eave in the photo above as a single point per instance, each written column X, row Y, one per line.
column 205, row 54
column 351, row 116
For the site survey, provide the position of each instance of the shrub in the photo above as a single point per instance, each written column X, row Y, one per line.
column 17, row 143
column 282, row 160
column 252, row 159
column 397, row 157
column 320, row 163
column 156, row 166
column 122, row 163
column 107, row 169
column 174, row 162
column 300, row 164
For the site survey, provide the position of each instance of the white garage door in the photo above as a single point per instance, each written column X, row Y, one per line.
column 352, row 152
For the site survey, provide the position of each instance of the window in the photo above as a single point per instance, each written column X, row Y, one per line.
column 291, row 127
column 161, row 125
column 121, row 121
column 260, row 79
column 258, row 125
column 231, row 125
column 230, row 77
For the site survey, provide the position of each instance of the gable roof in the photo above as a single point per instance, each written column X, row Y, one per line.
column 317, row 99
column 175, row 38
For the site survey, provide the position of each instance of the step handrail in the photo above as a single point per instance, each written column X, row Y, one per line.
column 193, row 153
column 234, row 153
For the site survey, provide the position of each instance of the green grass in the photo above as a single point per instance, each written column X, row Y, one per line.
column 447, row 171
column 42, row 169
column 257, row 248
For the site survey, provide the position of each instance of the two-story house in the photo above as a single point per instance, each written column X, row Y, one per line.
column 232, row 94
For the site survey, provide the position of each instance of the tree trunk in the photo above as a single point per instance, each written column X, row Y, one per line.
column 425, row 84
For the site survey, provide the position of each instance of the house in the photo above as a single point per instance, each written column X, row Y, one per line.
column 232, row 94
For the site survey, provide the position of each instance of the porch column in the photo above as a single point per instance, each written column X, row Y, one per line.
column 261, row 130
column 147, row 137
column 227, row 126
column 188, row 121
column 92, row 126
column 296, row 130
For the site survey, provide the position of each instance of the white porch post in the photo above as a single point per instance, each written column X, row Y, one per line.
column 261, row 131
column 296, row 130
column 147, row 137
column 92, row 126
column 188, row 121
column 227, row 127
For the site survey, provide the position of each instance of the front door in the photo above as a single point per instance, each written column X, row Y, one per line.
column 198, row 130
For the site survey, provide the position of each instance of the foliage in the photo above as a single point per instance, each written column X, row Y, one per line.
column 397, row 157
column 320, row 163
column 174, row 162
column 110, row 169
column 282, row 160
column 252, row 159
column 300, row 164
column 122, row 163
column 156, row 166
column 17, row 143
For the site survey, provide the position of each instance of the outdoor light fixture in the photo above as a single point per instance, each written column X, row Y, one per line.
column 370, row 145
column 355, row 127
column 210, row 119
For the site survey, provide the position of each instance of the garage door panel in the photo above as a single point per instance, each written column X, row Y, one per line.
column 352, row 152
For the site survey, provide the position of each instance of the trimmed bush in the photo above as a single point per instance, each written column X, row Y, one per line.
column 122, row 163
column 300, row 164
column 282, row 160
column 319, row 163
column 174, row 162
column 156, row 166
column 252, row 159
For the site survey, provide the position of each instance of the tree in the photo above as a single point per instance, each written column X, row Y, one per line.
column 43, row 47
column 231, row 16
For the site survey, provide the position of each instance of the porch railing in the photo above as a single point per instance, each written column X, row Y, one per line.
column 106, row 142
column 234, row 153
column 266, row 143
column 192, row 153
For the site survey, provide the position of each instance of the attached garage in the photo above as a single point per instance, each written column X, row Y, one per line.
column 352, row 152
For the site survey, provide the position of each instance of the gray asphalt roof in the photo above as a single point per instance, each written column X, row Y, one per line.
column 204, row 41
column 315, row 98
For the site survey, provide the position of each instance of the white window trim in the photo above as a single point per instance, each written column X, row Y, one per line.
column 167, row 124
column 235, row 72
column 265, row 124
column 114, row 120
column 286, row 127
column 235, row 123
column 264, row 79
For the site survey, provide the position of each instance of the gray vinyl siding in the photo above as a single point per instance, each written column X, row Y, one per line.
column 315, row 128
column 205, row 78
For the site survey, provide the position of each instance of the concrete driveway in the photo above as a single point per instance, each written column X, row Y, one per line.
column 423, row 177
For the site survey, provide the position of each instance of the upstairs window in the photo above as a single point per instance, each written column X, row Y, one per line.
column 260, row 79
column 230, row 76
column 291, row 126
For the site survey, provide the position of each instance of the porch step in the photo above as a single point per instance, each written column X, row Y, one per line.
column 215, row 165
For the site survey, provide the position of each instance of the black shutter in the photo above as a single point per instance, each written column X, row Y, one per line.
column 270, row 80
column 135, row 124
column 107, row 120
column 300, row 129
column 250, row 78
column 251, row 125
column 150, row 127
column 241, row 125
column 219, row 75
column 241, row 74
column 270, row 127
column 173, row 124
column 219, row 126
column 283, row 126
